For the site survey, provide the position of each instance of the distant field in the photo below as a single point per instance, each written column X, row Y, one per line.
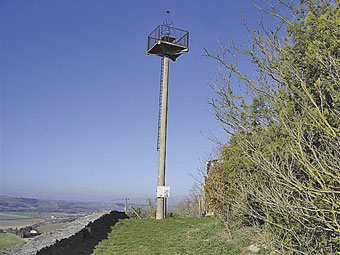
column 45, row 228
column 23, row 219
column 7, row 240
column 11, row 220
column 19, row 223
column 31, row 206
column 28, row 214
column 9, row 216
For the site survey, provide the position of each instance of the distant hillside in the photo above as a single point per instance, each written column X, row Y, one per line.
column 15, row 204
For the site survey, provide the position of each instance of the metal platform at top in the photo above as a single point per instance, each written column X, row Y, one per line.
column 166, row 41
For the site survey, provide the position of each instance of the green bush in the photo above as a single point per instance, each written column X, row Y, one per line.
column 281, row 166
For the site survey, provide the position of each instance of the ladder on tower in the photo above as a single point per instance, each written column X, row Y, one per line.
column 160, row 103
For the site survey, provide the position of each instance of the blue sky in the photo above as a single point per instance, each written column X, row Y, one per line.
column 79, row 95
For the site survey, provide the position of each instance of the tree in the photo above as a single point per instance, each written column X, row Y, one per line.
column 189, row 207
column 288, row 133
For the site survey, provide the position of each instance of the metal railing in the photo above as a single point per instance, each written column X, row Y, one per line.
column 169, row 34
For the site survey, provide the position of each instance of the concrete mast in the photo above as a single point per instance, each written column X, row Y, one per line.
column 169, row 43
column 160, row 212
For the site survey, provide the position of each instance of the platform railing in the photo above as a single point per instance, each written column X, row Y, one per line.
column 180, row 36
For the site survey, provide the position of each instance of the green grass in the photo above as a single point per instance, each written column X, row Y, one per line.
column 170, row 236
column 7, row 241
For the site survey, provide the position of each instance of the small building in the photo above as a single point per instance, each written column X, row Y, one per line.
column 205, row 211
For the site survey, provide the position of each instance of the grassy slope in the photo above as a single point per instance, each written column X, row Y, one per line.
column 170, row 236
column 7, row 241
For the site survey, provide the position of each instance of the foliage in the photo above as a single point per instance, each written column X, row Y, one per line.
column 152, row 209
column 134, row 211
column 189, row 207
column 282, row 165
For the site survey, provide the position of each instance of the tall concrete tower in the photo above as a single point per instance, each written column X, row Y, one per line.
column 166, row 42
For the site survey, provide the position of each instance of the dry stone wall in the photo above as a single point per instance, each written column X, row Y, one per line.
column 76, row 238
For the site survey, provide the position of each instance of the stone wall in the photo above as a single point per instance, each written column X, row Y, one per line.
column 76, row 238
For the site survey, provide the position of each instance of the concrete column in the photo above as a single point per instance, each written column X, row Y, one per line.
column 162, row 140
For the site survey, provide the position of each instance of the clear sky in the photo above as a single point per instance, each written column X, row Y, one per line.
column 79, row 95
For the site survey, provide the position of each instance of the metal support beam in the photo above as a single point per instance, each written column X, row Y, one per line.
column 160, row 214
